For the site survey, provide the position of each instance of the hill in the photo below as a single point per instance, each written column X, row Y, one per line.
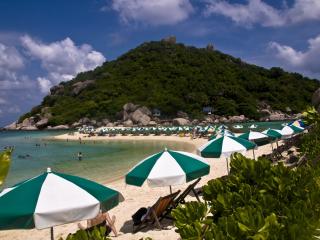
column 173, row 77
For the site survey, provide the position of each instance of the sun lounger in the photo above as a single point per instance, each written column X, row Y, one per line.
column 181, row 198
column 155, row 213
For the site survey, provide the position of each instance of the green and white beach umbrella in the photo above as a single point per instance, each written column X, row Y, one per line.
column 273, row 133
column 288, row 131
column 225, row 146
column 168, row 168
column 52, row 199
column 252, row 135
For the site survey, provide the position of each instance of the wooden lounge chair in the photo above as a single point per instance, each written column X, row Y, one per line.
column 181, row 198
column 156, row 212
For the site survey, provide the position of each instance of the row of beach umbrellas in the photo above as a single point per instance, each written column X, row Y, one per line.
column 52, row 199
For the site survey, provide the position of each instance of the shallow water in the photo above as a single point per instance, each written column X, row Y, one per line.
column 102, row 161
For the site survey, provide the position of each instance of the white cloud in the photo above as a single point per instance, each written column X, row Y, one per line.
column 62, row 59
column 307, row 61
column 153, row 12
column 11, row 62
column 14, row 109
column 259, row 12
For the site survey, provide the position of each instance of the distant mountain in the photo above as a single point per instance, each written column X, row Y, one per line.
column 173, row 77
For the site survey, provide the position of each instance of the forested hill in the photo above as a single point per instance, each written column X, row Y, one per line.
column 173, row 77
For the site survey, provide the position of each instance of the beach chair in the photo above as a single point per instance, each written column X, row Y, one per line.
column 181, row 198
column 155, row 213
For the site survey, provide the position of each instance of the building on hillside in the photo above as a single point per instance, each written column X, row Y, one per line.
column 207, row 110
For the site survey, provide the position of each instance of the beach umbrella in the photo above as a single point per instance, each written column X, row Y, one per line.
column 287, row 131
column 297, row 123
column 225, row 146
column 273, row 133
column 256, row 137
column 167, row 168
column 53, row 199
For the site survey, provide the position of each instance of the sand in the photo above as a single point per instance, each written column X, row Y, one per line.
column 135, row 197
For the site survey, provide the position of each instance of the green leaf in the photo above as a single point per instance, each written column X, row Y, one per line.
column 5, row 159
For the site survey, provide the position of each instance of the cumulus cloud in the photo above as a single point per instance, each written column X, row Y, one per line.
column 11, row 62
column 3, row 101
column 259, row 12
column 62, row 59
column 153, row 12
column 307, row 61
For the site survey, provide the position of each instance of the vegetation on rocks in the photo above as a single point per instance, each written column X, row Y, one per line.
column 173, row 77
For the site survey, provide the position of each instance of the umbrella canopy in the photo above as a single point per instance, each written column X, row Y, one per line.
column 297, row 123
column 290, row 130
column 52, row 199
column 225, row 145
column 251, row 136
column 168, row 168
column 273, row 133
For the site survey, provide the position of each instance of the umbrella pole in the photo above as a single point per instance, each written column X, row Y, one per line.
column 277, row 144
column 227, row 166
column 254, row 157
column 51, row 233
column 170, row 190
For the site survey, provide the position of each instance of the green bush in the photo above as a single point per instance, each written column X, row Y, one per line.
column 256, row 201
column 95, row 234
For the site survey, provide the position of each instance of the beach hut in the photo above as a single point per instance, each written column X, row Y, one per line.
column 53, row 199
column 167, row 168
column 225, row 146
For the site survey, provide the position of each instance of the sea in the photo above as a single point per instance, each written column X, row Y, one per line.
column 102, row 161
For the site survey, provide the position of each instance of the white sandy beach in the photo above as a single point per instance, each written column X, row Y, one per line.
column 135, row 197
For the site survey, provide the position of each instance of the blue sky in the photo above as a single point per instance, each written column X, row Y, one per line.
column 45, row 42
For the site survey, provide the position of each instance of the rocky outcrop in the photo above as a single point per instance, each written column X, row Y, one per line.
column 60, row 127
column 128, row 123
column 42, row 123
column 181, row 121
column 170, row 39
column 11, row 126
column 139, row 117
column 29, row 128
column 57, row 90
column 27, row 122
column 277, row 117
column 129, row 107
column 79, row 86
column 235, row 119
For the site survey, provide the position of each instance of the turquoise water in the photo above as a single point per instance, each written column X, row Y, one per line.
column 102, row 161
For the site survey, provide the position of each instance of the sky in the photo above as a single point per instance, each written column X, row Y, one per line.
column 45, row 42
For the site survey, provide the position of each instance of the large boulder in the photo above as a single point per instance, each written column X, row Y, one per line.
column 145, row 111
column 60, row 127
column 79, row 86
column 128, row 123
column 181, row 121
column 130, row 107
column 29, row 128
column 110, row 124
column 277, row 117
column 57, row 90
column 42, row 123
column 11, row 126
column 84, row 120
column 140, row 118
column 27, row 122
column 240, row 118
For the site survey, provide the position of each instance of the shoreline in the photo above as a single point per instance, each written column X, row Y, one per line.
column 135, row 197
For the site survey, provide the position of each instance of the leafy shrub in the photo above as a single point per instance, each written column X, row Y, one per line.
column 96, row 234
column 256, row 201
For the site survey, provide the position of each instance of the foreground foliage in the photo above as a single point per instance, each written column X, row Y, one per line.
column 174, row 77
column 256, row 201
column 5, row 159
column 98, row 233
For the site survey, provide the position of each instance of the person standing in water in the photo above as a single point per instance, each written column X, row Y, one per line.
column 79, row 156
